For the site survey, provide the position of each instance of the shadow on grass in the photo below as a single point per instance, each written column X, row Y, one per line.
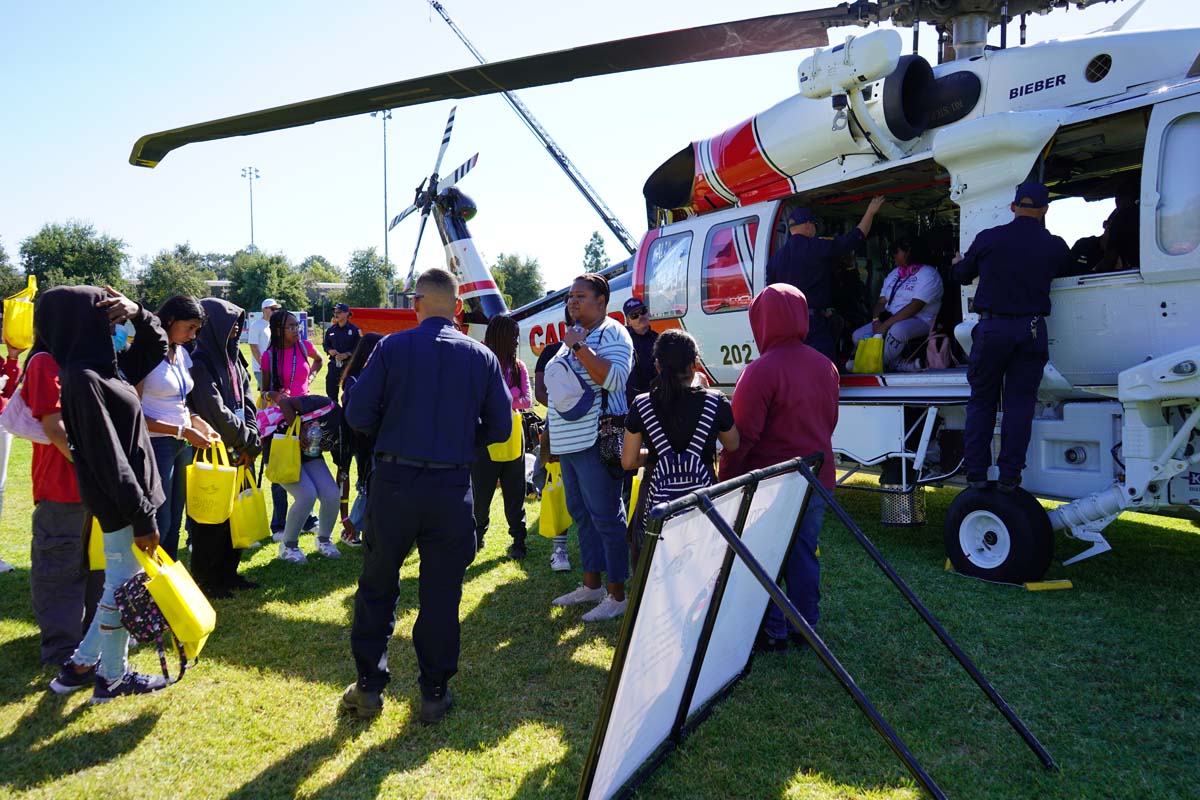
column 29, row 761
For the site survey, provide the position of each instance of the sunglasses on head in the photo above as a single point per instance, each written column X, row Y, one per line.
column 636, row 314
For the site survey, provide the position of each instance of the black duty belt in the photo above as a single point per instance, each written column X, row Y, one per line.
column 998, row 315
column 388, row 458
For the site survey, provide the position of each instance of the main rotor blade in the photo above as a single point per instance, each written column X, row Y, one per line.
column 795, row 31
column 458, row 174
column 437, row 165
column 413, row 267
column 397, row 219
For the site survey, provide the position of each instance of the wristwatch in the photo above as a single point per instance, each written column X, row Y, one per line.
column 576, row 347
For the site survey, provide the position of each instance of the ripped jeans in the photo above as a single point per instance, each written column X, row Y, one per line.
column 106, row 640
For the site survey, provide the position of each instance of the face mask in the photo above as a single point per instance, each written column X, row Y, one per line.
column 120, row 338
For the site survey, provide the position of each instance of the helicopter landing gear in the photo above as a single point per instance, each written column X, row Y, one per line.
column 997, row 536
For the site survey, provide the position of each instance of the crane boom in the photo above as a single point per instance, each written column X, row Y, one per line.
column 556, row 152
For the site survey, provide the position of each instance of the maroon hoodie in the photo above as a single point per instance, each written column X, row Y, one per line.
column 786, row 401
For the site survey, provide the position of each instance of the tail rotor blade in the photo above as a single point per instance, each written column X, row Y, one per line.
column 445, row 141
column 413, row 267
column 397, row 219
column 458, row 174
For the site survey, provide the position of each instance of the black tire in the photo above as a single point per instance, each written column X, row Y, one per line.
column 998, row 537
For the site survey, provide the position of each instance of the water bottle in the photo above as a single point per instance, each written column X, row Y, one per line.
column 311, row 440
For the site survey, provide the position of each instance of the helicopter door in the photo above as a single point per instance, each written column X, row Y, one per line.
column 721, row 297
column 1170, row 208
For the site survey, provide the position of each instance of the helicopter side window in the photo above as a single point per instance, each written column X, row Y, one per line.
column 666, row 275
column 725, row 282
column 1177, row 217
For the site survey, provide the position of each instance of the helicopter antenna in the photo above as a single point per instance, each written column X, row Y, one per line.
column 556, row 152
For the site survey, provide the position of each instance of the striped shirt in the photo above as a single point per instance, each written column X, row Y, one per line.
column 610, row 341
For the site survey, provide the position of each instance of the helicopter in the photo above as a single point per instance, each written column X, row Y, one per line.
column 1090, row 117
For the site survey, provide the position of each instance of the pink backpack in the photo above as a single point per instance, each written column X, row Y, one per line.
column 939, row 353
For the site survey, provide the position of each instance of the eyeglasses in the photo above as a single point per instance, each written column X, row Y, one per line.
column 636, row 314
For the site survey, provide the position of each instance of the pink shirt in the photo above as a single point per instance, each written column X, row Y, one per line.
column 293, row 368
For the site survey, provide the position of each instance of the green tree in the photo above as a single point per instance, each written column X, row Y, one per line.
column 320, row 300
column 368, row 276
column 171, row 272
column 315, row 261
column 594, row 257
column 256, row 276
column 11, row 281
column 219, row 265
column 73, row 254
column 519, row 278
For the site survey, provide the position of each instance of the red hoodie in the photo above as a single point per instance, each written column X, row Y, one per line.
column 786, row 401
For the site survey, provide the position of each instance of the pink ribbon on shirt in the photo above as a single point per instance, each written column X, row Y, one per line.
column 907, row 272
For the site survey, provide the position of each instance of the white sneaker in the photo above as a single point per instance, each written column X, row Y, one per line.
column 580, row 594
column 5, row 566
column 328, row 549
column 291, row 554
column 277, row 536
column 559, row 561
column 609, row 608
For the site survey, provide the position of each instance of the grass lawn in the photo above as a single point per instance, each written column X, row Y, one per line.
column 1105, row 675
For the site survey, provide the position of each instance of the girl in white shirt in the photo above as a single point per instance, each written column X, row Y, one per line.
column 174, row 430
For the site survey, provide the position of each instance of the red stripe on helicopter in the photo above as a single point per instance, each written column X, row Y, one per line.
column 736, row 163
column 477, row 286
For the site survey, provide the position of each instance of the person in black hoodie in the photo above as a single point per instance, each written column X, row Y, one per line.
column 222, row 398
column 110, row 446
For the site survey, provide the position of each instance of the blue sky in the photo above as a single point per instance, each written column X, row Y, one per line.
column 82, row 81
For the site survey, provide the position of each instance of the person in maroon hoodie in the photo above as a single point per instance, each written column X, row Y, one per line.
column 785, row 405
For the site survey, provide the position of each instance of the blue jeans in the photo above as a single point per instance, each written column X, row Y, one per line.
column 172, row 457
column 106, row 640
column 801, row 572
column 594, row 500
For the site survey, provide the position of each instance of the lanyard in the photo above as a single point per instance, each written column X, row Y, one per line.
column 177, row 368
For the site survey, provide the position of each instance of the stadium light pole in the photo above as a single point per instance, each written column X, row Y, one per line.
column 385, row 116
column 251, row 174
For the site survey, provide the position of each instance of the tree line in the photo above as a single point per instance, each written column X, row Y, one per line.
column 75, row 253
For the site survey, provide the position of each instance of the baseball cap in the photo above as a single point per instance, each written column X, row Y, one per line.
column 271, row 302
column 1037, row 193
column 799, row 216
column 633, row 304
column 339, row 307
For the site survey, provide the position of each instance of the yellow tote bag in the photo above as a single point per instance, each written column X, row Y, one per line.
column 868, row 359
column 96, row 559
column 633, row 494
column 18, row 316
column 555, row 518
column 248, row 523
column 211, row 486
column 283, row 465
column 514, row 447
column 184, row 606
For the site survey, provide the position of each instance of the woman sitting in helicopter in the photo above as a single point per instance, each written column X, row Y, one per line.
column 908, row 303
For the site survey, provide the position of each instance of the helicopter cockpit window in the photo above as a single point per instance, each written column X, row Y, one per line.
column 725, row 280
column 1177, row 217
column 666, row 275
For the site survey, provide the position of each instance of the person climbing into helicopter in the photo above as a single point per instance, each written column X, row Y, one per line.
column 807, row 263
column 1015, row 264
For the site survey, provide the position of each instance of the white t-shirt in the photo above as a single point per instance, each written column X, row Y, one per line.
column 165, row 391
column 259, row 336
column 925, row 285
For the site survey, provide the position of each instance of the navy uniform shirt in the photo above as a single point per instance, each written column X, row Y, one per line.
column 431, row 394
column 643, row 364
column 808, row 263
column 343, row 339
column 1015, row 264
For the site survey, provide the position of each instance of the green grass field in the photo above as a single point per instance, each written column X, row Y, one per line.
column 1104, row 674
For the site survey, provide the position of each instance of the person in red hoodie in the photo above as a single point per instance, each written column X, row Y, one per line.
column 785, row 405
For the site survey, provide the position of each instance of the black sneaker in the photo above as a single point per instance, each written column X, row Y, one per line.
column 769, row 644
column 435, row 707
column 68, row 680
column 239, row 584
column 131, row 683
column 516, row 551
column 362, row 703
column 310, row 524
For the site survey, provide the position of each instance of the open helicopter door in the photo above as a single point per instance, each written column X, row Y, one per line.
column 1170, row 208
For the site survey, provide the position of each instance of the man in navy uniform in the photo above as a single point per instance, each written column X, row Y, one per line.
column 807, row 263
column 340, row 340
column 431, row 397
column 1015, row 263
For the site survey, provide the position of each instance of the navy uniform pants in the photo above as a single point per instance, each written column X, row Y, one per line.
column 433, row 510
column 820, row 335
column 1007, row 357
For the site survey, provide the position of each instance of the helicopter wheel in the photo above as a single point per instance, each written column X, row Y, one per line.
column 998, row 537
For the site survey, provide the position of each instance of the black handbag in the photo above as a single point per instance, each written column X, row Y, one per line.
column 610, row 437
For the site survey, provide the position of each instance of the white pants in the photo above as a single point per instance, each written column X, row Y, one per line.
column 5, row 448
column 897, row 337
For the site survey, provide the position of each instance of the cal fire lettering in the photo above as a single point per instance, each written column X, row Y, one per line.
column 1037, row 86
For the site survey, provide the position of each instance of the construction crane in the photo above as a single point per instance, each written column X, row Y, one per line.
column 556, row 152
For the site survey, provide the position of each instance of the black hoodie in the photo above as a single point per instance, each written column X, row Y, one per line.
column 221, row 396
column 101, row 410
